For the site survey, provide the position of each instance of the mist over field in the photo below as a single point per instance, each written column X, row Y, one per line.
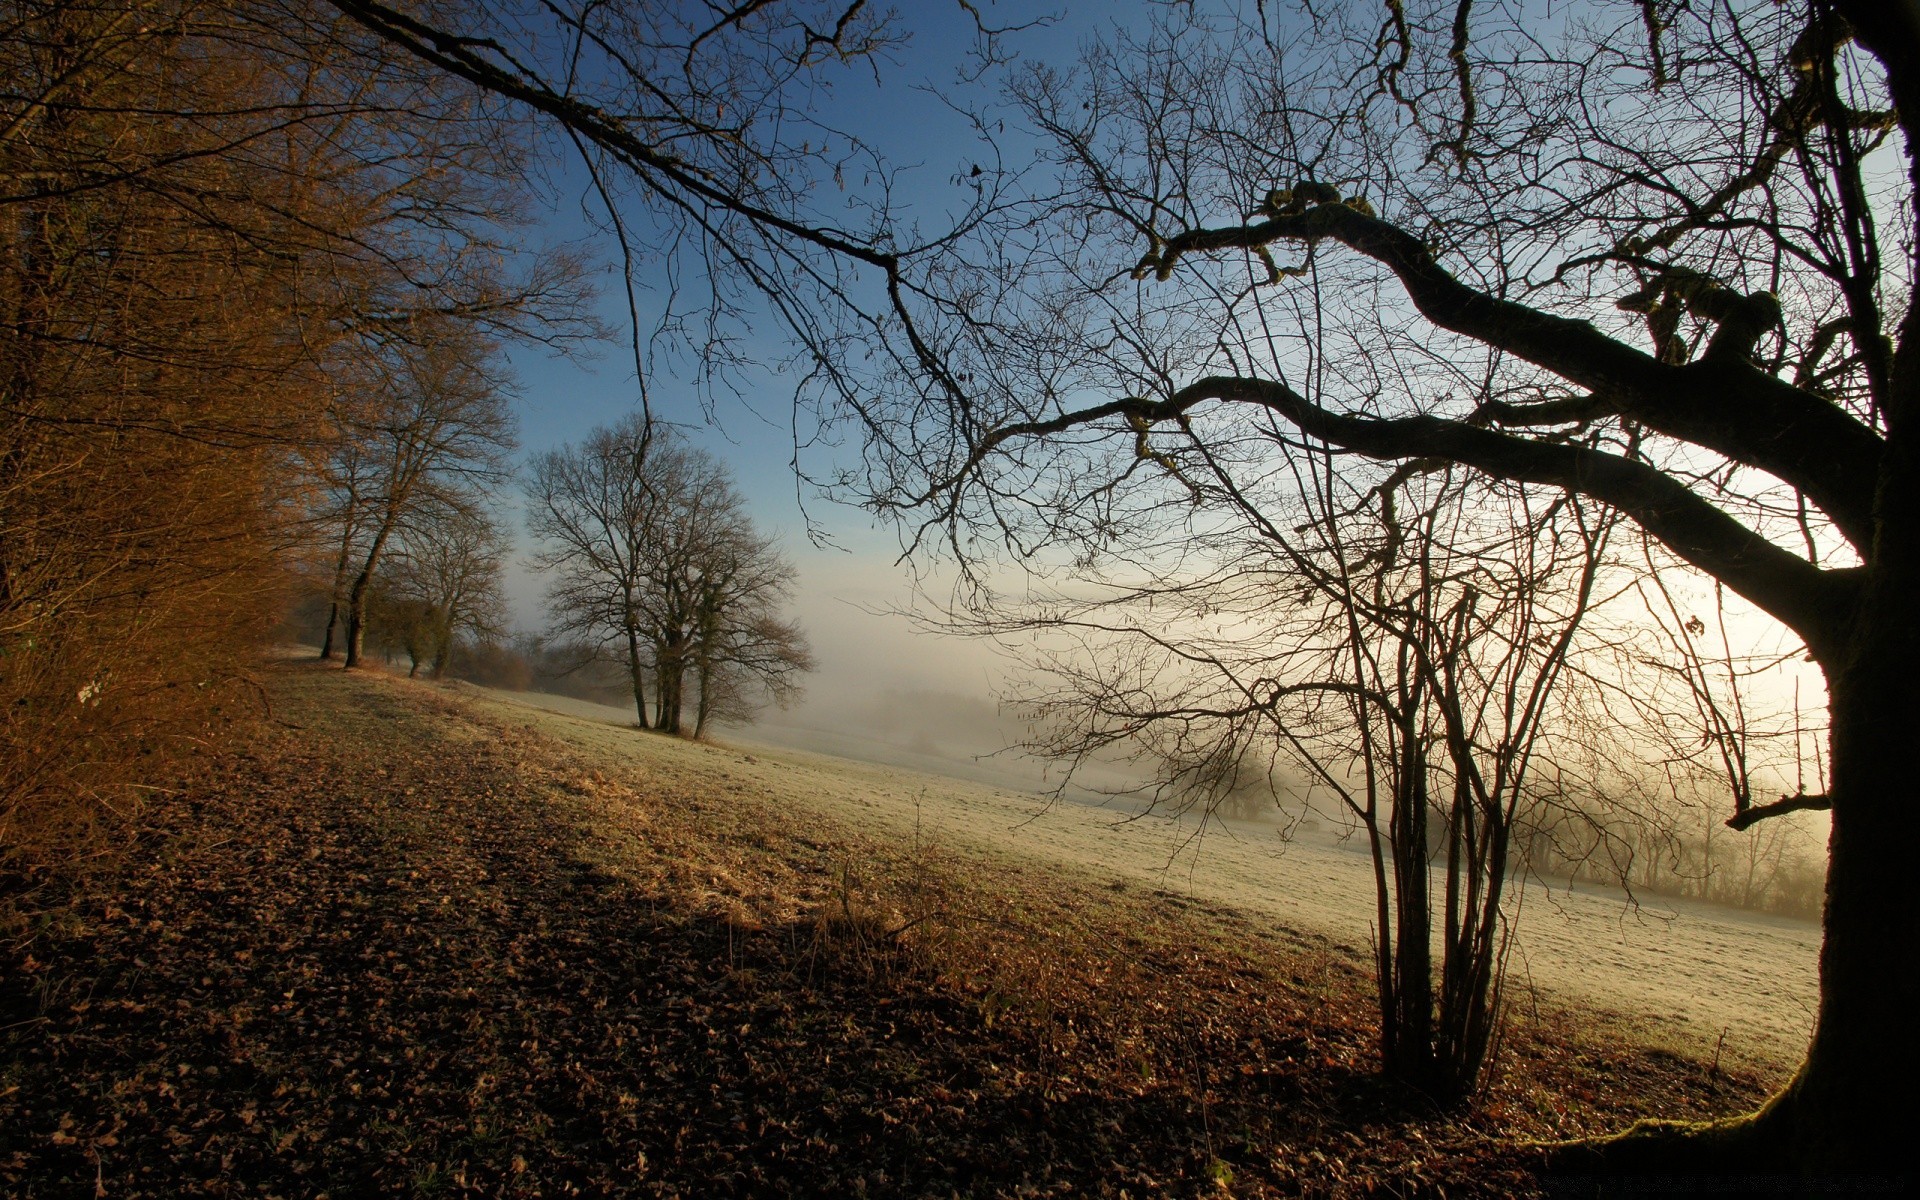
column 1674, row 972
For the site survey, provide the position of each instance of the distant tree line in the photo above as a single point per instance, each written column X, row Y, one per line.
column 656, row 570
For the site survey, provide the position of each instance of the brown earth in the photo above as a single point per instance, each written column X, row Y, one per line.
column 408, row 944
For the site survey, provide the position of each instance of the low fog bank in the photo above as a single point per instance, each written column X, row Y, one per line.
column 934, row 733
column 885, row 690
column 888, row 692
column 940, row 732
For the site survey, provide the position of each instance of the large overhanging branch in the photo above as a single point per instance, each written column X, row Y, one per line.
column 1814, row 603
column 1723, row 403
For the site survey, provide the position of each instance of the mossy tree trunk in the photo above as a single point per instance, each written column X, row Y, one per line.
column 1853, row 1101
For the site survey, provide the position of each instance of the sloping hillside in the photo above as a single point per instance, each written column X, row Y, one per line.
column 409, row 945
column 1685, row 975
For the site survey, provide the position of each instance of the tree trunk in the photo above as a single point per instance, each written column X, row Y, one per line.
column 670, row 675
column 339, row 582
column 1851, row 1107
column 333, row 622
column 1853, row 1100
column 704, row 677
column 362, row 584
column 1408, row 1054
column 667, row 704
column 636, row 674
column 357, row 617
column 441, row 624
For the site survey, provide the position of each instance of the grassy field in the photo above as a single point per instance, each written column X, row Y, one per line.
column 1684, row 975
column 416, row 942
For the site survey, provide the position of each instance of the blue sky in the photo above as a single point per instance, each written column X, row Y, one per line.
column 562, row 399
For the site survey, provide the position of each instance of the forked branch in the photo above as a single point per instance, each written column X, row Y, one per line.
column 1815, row 603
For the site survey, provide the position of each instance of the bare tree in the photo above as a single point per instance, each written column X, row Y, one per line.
column 652, row 551
column 1391, row 638
column 437, row 427
column 206, row 207
column 343, row 512
column 450, row 562
column 593, row 506
column 1656, row 256
column 744, row 653
column 699, row 128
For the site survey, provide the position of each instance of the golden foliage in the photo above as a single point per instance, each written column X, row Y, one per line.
column 201, row 221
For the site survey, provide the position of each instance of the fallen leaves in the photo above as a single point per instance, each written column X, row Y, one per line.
column 413, row 951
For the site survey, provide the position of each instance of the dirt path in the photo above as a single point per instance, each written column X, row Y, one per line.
column 1671, row 973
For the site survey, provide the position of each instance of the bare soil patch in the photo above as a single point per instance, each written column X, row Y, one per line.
column 409, row 945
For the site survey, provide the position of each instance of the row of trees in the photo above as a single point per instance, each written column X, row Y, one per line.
column 214, row 230
column 654, row 560
column 247, row 242
column 1667, row 842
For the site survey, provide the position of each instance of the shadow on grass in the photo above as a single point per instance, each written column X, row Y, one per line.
column 380, row 959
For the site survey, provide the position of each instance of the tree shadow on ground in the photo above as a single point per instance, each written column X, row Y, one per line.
column 379, row 962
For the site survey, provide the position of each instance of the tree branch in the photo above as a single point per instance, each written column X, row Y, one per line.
column 1754, row 814
column 462, row 57
column 1814, row 603
column 1730, row 407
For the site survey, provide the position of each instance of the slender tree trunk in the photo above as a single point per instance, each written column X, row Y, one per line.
column 711, row 602
column 1409, row 1055
column 357, row 617
column 333, row 605
column 636, row 674
column 442, row 626
column 704, row 676
column 357, row 596
column 339, row 585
